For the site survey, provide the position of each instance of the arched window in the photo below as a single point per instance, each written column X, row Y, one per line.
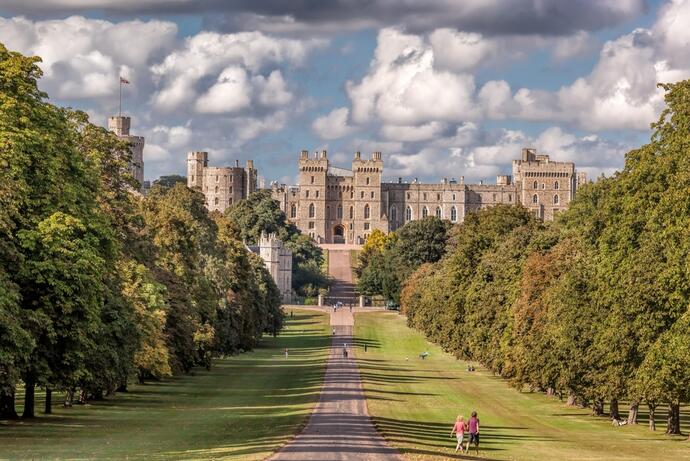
column 293, row 211
column 328, row 212
column 216, row 189
column 425, row 212
column 535, row 198
column 367, row 181
column 394, row 214
column 216, row 201
column 311, row 210
column 340, row 212
column 556, row 185
column 543, row 186
column 438, row 212
column 312, row 180
column 408, row 214
column 367, row 211
column 352, row 213
column 555, row 199
column 453, row 214
column 536, row 185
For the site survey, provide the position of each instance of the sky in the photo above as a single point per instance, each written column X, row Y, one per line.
column 442, row 88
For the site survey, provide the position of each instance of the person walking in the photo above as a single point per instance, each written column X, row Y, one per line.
column 286, row 352
column 473, row 427
column 459, row 431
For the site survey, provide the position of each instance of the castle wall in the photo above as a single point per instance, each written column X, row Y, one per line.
column 347, row 205
column 222, row 186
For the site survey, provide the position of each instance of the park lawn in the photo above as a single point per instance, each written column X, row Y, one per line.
column 414, row 402
column 246, row 407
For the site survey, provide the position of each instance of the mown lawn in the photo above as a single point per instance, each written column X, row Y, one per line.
column 245, row 408
column 414, row 403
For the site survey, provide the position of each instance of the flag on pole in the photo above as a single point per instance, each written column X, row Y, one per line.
column 124, row 80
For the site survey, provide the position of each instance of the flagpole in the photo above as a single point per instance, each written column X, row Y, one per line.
column 120, row 80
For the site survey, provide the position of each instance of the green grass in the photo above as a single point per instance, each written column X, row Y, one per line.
column 414, row 404
column 245, row 408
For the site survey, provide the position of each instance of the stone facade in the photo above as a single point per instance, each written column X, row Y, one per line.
column 337, row 205
column 222, row 186
column 278, row 261
column 120, row 126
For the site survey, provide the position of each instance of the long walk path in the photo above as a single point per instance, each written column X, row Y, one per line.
column 340, row 427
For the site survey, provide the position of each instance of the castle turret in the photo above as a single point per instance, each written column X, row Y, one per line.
column 196, row 162
column 120, row 126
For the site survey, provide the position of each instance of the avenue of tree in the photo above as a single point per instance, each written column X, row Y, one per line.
column 594, row 308
column 99, row 285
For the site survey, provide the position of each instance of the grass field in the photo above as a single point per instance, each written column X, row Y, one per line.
column 245, row 408
column 414, row 403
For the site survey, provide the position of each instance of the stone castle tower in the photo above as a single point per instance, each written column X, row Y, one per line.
column 222, row 186
column 278, row 261
column 120, row 126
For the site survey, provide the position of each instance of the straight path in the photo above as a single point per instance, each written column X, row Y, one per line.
column 339, row 427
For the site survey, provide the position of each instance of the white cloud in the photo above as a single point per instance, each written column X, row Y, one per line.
column 334, row 125
column 231, row 93
column 412, row 133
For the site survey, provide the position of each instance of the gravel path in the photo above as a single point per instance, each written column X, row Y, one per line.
column 339, row 427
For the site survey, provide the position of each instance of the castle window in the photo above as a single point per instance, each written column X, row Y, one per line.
column 425, row 212
column 216, row 189
column 311, row 210
column 394, row 214
column 424, row 195
column 317, row 194
column 293, row 211
column 438, row 212
column 216, row 201
column 311, row 224
column 339, row 212
column 352, row 194
column 192, row 178
column 408, row 214
column 367, row 181
column 535, row 199
column 453, row 214
column 367, row 211
column 555, row 199
column 438, row 196
column 556, row 185
column 366, row 226
column 536, row 185
column 328, row 212
column 216, row 178
column 307, row 193
column 372, row 194
column 408, row 196
column 312, row 180
column 510, row 197
column 493, row 197
column 543, row 186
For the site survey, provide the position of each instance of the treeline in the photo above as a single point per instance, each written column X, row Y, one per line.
column 260, row 213
column 594, row 307
column 99, row 285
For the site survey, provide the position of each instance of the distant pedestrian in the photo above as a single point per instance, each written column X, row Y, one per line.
column 291, row 312
column 365, row 348
column 473, row 427
column 459, row 431
column 333, row 331
column 286, row 352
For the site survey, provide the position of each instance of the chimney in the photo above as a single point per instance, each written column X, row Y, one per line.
column 304, row 154
column 358, row 155
column 324, row 154
column 237, row 163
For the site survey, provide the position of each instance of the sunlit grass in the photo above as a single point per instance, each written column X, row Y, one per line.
column 246, row 407
column 414, row 403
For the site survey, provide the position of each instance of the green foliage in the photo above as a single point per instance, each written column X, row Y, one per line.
column 259, row 213
column 169, row 181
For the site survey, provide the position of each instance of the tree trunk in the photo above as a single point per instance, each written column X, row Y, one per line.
column 673, row 419
column 550, row 392
column 29, row 390
column 598, row 408
column 572, row 399
column 7, row 410
column 632, row 414
column 614, row 413
column 69, row 398
column 652, row 409
column 49, row 401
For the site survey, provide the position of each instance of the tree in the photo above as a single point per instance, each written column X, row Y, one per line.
column 169, row 181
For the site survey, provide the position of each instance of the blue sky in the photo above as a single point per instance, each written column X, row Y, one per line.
column 441, row 91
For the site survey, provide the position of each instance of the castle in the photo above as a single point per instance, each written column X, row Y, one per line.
column 278, row 262
column 337, row 205
column 222, row 186
column 120, row 126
